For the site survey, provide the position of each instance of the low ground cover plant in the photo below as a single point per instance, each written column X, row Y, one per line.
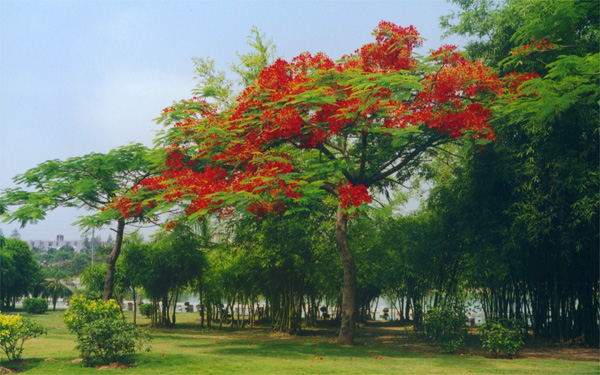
column 103, row 335
column 14, row 331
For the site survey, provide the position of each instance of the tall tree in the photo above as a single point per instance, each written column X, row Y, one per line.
column 313, row 126
column 56, row 285
column 19, row 270
column 92, row 182
column 546, row 160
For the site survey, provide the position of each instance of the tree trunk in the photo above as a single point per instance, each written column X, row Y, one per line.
column 134, row 306
column 347, row 328
column 175, row 297
column 201, row 303
column 111, row 262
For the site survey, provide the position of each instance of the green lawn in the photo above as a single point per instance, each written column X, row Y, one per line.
column 187, row 349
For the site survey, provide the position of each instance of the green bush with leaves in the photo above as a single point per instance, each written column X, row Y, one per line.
column 35, row 305
column 14, row 331
column 446, row 328
column 504, row 336
column 103, row 335
column 146, row 309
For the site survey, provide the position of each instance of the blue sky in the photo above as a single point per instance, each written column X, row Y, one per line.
column 86, row 76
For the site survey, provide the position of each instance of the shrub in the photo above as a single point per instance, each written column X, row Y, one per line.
column 103, row 335
column 502, row 336
column 147, row 309
column 446, row 328
column 35, row 305
column 14, row 331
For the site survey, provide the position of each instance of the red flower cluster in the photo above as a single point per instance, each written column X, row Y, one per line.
column 353, row 195
column 540, row 46
column 217, row 157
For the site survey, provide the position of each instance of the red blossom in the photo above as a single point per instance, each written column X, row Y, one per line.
column 215, row 155
column 353, row 195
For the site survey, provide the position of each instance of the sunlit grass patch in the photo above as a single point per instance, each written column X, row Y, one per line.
column 189, row 349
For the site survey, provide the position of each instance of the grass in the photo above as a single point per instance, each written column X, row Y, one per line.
column 187, row 349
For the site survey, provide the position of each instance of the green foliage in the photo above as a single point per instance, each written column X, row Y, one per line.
column 214, row 85
column 19, row 269
column 103, row 335
column 447, row 328
column 283, row 258
column 14, row 331
column 528, row 205
column 93, row 278
column 107, row 340
column 83, row 311
column 91, row 181
column 164, row 267
column 56, row 284
column 35, row 305
column 146, row 309
column 251, row 64
column 502, row 336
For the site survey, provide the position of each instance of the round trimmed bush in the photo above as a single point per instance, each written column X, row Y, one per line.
column 103, row 335
column 35, row 305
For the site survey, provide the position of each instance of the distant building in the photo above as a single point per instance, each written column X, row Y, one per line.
column 60, row 242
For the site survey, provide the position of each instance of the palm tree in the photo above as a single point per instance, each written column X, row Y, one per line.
column 57, row 285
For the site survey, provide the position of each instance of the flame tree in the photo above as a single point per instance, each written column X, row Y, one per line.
column 313, row 126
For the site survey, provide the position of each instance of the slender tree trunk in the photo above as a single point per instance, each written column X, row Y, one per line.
column 201, row 303
column 134, row 306
column 346, row 336
column 111, row 262
column 175, row 297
